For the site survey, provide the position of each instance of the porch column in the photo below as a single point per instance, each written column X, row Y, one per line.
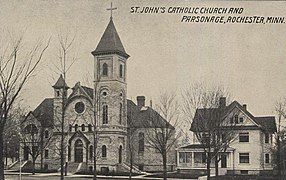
column 193, row 159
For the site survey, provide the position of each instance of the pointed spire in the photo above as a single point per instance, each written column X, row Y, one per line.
column 110, row 42
column 60, row 83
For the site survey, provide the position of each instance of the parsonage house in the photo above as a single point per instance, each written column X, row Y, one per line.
column 250, row 150
column 117, row 118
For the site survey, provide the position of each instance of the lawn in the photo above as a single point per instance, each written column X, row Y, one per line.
column 177, row 175
column 245, row 177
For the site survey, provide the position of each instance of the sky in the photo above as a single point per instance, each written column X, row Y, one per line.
column 165, row 54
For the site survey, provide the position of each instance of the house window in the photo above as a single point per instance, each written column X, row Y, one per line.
column 120, row 113
column 241, row 120
column 244, row 137
column 70, row 127
column 267, row 158
column 103, row 151
column 204, row 157
column 90, row 153
column 121, row 70
column 46, row 134
column 82, row 127
column 184, row 157
column 75, row 127
column 141, row 142
column 105, row 114
column 266, row 138
column 89, row 127
column 243, row 157
column 46, row 166
column 46, row 153
column 104, row 69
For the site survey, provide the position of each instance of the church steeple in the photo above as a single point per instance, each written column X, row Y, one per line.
column 110, row 42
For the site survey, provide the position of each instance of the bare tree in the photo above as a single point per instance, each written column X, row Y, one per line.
column 280, row 109
column 17, row 65
column 131, row 141
column 160, row 130
column 34, row 142
column 66, row 59
column 203, row 110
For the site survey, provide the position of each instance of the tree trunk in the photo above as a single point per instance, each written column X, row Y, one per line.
column 216, row 165
column 278, row 157
column 164, row 155
column 131, row 165
column 1, row 155
column 94, row 154
column 208, row 165
column 34, row 165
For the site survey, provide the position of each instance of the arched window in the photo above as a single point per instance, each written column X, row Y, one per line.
column 121, row 70
column 46, row 134
column 82, row 127
column 120, row 113
column 75, row 127
column 90, row 153
column 31, row 129
column 89, row 127
column 105, row 114
column 103, row 151
column 104, row 69
column 141, row 142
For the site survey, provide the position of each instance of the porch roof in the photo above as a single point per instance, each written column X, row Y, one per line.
column 197, row 147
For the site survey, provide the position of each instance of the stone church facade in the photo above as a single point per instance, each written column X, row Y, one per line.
column 106, row 110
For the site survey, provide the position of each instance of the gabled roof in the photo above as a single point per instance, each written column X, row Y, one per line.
column 110, row 42
column 89, row 91
column 86, row 91
column 60, row 83
column 200, row 123
column 146, row 117
column 45, row 112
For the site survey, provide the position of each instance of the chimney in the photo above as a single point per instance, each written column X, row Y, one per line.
column 244, row 106
column 222, row 102
column 151, row 103
column 140, row 101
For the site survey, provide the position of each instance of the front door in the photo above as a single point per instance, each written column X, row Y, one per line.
column 78, row 151
column 223, row 161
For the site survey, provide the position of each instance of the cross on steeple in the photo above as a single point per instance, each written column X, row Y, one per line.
column 111, row 9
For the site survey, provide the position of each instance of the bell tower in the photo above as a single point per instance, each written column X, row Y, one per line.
column 110, row 83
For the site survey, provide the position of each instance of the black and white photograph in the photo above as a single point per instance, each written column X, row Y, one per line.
column 97, row 89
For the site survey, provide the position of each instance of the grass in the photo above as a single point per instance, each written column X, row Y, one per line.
column 245, row 177
column 107, row 174
column 177, row 175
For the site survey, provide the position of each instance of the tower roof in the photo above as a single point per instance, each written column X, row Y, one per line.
column 60, row 83
column 110, row 42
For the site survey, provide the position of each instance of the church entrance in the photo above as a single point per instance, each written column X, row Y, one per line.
column 120, row 154
column 78, row 151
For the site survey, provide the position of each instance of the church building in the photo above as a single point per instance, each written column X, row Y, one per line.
column 103, row 109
